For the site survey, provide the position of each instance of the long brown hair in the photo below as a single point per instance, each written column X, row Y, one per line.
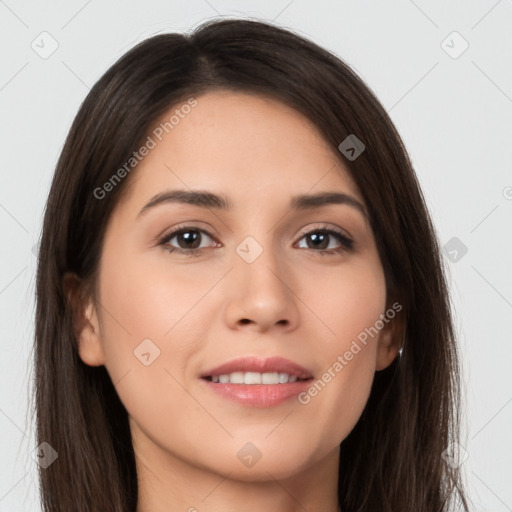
column 392, row 460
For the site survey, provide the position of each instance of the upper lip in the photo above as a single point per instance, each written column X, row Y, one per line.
column 254, row 364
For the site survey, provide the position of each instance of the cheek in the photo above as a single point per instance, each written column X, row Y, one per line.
column 347, row 300
column 146, row 315
column 348, row 303
column 149, row 330
column 143, row 298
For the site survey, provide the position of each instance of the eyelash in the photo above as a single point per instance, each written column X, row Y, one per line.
column 347, row 244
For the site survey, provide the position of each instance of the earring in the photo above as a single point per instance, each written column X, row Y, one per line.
column 401, row 349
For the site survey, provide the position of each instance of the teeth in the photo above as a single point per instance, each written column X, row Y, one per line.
column 235, row 378
column 250, row 378
column 254, row 378
column 270, row 378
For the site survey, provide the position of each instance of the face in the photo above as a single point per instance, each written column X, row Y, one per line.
column 263, row 278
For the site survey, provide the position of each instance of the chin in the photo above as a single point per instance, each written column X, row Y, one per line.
column 249, row 465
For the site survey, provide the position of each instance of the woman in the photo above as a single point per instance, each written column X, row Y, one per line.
column 241, row 301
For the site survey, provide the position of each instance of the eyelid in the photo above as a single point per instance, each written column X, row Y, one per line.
column 183, row 226
column 325, row 227
column 163, row 239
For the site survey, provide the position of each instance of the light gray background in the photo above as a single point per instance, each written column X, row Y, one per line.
column 454, row 115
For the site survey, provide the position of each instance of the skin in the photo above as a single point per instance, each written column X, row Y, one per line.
column 300, row 305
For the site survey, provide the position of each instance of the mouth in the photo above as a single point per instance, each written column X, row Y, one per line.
column 252, row 378
column 252, row 370
column 258, row 382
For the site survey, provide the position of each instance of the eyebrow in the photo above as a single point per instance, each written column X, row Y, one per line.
column 209, row 200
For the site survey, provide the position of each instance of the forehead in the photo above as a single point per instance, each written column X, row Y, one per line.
column 242, row 145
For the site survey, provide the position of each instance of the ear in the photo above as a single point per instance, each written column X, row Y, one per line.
column 86, row 325
column 390, row 342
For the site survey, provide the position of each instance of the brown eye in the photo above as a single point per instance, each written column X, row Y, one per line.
column 186, row 240
column 320, row 241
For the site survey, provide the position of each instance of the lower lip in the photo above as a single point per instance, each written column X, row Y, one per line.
column 259, row 395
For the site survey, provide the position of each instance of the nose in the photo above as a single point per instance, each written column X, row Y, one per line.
column 261, row 295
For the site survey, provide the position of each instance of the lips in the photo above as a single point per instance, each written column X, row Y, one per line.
column 254, row 364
